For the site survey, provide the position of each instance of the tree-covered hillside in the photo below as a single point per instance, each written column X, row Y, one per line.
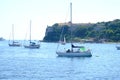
column 107, row 31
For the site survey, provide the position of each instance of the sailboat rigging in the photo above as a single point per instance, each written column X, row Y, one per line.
column 12, row 42
column 62, row 39
column 32, row 45
column 80, row 52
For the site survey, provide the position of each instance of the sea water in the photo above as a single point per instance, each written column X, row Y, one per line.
column 19, row 63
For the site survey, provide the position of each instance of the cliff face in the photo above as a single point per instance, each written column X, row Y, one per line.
column 109, row 31
column 48, row 29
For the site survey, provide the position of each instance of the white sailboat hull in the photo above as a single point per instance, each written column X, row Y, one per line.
column 74, row 54
column 14, row 45
column 32, row 46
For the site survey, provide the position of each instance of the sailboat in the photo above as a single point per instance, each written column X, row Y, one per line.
column 12, row 42
column 32, row 45
column 75, row 51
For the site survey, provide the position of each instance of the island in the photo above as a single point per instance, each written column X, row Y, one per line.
column 85, row 32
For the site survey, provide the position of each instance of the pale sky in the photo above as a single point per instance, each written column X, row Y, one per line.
column 48, row 12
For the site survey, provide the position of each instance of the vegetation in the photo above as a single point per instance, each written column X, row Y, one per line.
column 107, row 31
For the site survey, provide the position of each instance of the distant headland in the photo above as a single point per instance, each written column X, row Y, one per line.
column 2, row 39
column 85, row 32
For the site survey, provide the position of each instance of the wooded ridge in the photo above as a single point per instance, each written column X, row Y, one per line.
column 93, row 32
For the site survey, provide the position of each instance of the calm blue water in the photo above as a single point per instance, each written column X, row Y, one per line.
column 18, row 63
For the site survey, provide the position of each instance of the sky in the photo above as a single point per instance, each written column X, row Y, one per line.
column 48, row 12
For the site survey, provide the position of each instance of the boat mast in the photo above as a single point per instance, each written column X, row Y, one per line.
column 71, row 23
column 30, row 31
column 13, row 32
column 71, row 13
